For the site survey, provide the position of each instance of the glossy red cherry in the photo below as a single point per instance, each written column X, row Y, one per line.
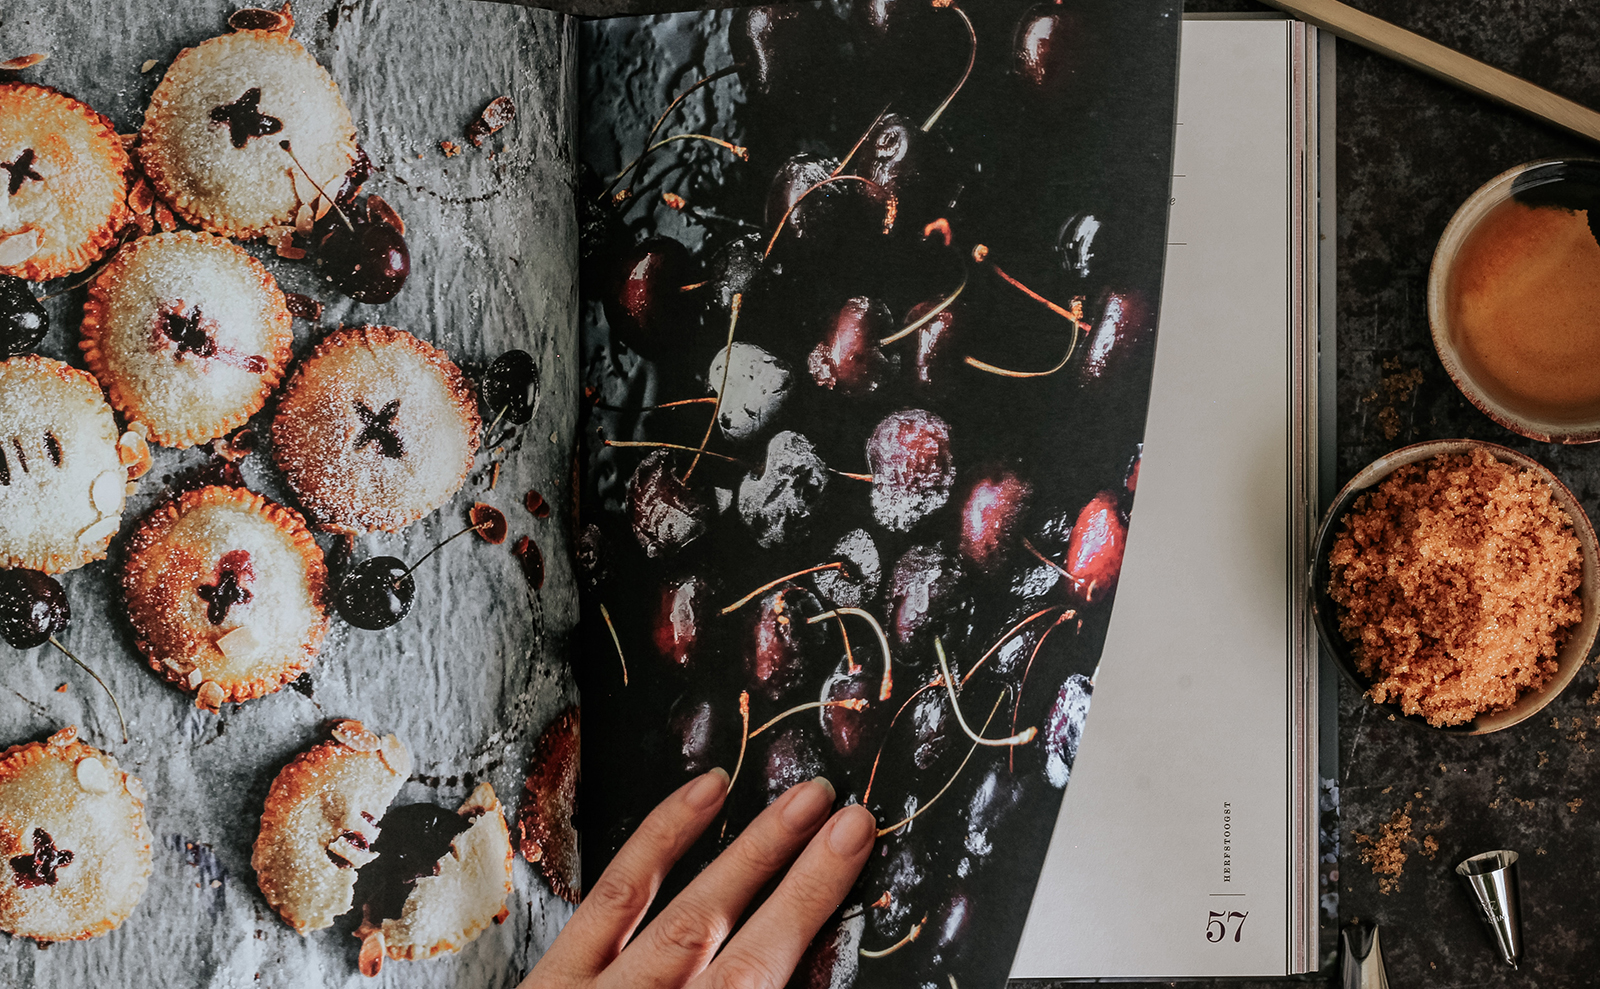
column 939, row 350
column 853, row 733
column 679, row 626
column 367, row 261
column 783, row 646
column 908, row 455
column 33, row 607
column 1094, row 553
column 1122, row 341
column 927, row 597
column 848, row 360
column 991, row 517
column 1048, row 44
column 705, row 730
column 931, row 725
column 774, row 46
column 916, row 166
column 666, row 515
column 645, row 304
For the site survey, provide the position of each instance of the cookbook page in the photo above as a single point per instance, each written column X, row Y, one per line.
column 869, row 304
column 233, row 604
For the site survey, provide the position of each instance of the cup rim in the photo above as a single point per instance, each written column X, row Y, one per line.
column 1572, row 656
column 1492, row 193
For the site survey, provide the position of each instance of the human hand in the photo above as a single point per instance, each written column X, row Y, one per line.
column 680, row 947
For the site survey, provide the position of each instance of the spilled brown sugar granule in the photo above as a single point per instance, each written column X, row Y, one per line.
column 1573, row 805
column 1386, row 854
column 1457, row 582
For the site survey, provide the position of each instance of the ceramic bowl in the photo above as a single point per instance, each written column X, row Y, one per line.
column 1521, row 180
column 1573, row 652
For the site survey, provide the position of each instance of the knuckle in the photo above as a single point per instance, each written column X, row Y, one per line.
column 809, row 887
column 761, row 851
column 742, row 970
column 692, row 932
column 619, row 894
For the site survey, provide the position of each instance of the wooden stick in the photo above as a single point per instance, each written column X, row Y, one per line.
column 1445, row 63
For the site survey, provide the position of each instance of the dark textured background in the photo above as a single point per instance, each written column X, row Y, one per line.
column 1410, row 149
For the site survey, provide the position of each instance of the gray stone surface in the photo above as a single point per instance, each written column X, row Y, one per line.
column 479, row 667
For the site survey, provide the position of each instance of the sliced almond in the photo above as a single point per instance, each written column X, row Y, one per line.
column 107, row 492
column 238, row 644
column 100, row 531
column 395, row 756
column 64, row 737
column 373, row 949
column 134, row 787
column 304, row 217
column 195, row 678
column 354, row 734
column 149, row 64
column 18, row 248
column 93, row 776
column 141, row 197
column 210, row 696
column 22, row 62
column 134, row 453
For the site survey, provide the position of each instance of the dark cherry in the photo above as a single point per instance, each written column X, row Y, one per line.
column 1048, row 45
column 994, row 803
column 665, row 514
column 833, row 958
column 892, row 885
column 40, row 868
column 1094, row 553
column 931, row 725
column 679, row 626
column 991, row 515
column 848, row 360
column 706, row 731
column 778, row 502
column 410, row 844
column 857, row 584
column 23, row 321
column 1130, row 480
column 1079, row 245
column 644, row 301
column 366, row 260
column 796, row 175
column 939, row 350
column 782, row 643
column 791, row 759
column 510, row 387
column 589, row 557
column 736, row 269
column 854, row 734
column 775, row 46
column 376, row 594
column 908, row 455
column 916, row 166
column 927, row 597
column 1122, row 341
column 1063, row 729
column 947, row 935
column 881, row 20
column 33, row 607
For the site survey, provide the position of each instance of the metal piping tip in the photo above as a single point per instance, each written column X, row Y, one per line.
column 1492, row 878
column 1361, row 960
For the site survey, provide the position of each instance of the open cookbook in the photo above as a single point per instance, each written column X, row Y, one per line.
column 382, row 378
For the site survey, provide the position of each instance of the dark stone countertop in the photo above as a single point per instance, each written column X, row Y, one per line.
column 1410, row 150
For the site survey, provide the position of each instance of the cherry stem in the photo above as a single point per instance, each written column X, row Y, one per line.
column 677, row 446
column 498, row 416
column 860, row 141
column 851, row 667
column 972, row 57
column 872, row 776
column 891, row 207
column 927, row 318
column 708, row 400
column 85, row 667
column 616, row 642
column 331, row 202
column 713, row 77
column 1013, row 630
column 854, row 477
column 1073, row 316
column 887, row 687
column 853, row 704
column 1020, row 738
column 1021, row 684
column 727, row 364
column 411, row 569
column 1077, row 585
column 742, row 153
column 953, row 777
column 744, row 737
column 691, row 288
column 916, row 930
column 764, row 588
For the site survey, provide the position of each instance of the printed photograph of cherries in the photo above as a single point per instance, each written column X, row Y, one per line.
column 869, row 302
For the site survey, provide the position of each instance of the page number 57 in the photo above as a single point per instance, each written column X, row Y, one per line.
column 1217, row 925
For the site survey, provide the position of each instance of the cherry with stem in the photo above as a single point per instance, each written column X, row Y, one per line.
column 379, row 591
column 1073, row 316
column 972, row 58
column 34, row 610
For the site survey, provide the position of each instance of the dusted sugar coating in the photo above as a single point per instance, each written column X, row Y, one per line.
column 74, row 846
column 188, row 334
column 375, row 430
column 62, row 482
column 466, row 893
column 211, row 141
column 1457, row 582
column 320, row 821
column 63, row 183
column 225, row 592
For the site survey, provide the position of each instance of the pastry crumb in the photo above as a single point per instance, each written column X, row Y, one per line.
column 450, row 148
column 1573, row 805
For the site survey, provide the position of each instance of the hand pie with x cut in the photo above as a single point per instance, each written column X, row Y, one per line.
column 440, row 880
column 74, row 846
column 188, row 334
column 213, row 133
column 375, row 430
column 321, row 820
column 62, row 475
column 225, row 591
column 63, row 183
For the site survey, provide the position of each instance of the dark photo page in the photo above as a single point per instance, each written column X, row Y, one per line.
column 869, row 302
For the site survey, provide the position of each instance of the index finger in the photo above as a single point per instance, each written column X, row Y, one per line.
column 614, row 905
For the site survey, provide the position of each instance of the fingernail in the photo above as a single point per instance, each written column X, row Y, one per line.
column 708, row 791
column 808, row 804
column 853, row 830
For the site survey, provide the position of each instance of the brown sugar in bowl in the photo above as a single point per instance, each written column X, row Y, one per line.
column 1573, row 652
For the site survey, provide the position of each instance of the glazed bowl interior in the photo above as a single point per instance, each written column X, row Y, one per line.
column 1523, row 180
column 1574, row 651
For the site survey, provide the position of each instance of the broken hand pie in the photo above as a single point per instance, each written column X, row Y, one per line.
column 434, row 880
column 74, row 846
